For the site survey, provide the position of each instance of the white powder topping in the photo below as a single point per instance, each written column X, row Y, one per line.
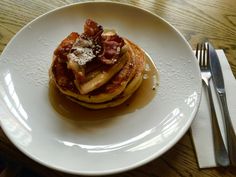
column 81, row 55
column 82, row 51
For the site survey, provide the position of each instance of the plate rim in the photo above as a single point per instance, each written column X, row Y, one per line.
column 180, row 134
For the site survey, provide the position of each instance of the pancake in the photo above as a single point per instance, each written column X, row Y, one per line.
column 115, row 86
column 130, row 89
column 103, row 85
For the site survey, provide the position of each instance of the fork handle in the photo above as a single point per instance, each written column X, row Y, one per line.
column 231, row 137
column 221, row 155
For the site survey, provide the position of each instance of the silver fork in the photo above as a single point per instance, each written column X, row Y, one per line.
column 221, row 155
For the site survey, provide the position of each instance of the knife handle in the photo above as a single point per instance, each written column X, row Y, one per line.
column 221, row 155
column 231, row 137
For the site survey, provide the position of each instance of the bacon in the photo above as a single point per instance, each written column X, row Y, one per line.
column 106, row 48
column 92, row 29
column 64, row 76
column 110, row 45
column 65, row 46
column 111, row 49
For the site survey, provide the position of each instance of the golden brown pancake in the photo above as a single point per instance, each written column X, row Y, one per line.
column 126, row 94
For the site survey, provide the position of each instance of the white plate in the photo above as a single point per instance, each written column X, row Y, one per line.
column 102, row 146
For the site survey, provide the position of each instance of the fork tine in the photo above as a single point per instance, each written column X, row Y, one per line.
column 204, row 56
column 197, row 50
column 207, row 53
column 200, row 56
column 204, row 59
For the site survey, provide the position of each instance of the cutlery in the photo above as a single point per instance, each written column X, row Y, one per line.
column 221, row 155
column 220, row 90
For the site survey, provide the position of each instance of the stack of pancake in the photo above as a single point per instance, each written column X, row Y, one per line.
column 97, row 69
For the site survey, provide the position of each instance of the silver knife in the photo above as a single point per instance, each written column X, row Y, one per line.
column 220, row 90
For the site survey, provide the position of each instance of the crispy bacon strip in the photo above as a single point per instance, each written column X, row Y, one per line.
column 64, row 76
column 65, row 46
column 111, row 46
column 92, row 29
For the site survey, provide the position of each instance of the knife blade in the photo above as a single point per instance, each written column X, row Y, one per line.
column 218, row 82
column 216, row 71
